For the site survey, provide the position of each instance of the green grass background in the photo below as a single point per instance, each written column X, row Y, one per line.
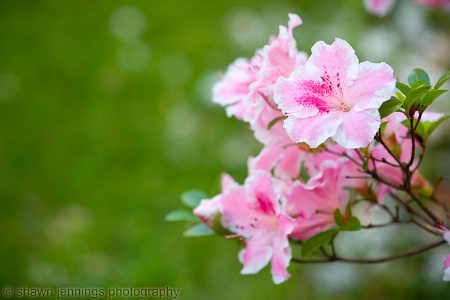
column 99, row 136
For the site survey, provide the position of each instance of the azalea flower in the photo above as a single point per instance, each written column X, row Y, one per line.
column 446, row 264
column 379, row 7
column 247, row 87
column 208, row 209
column 446, row 261
column 255, row 212
column 279, row 58
column 333, row 95
column 234, row 87
column 383, row 7
column 445, row 4
column 315, row 202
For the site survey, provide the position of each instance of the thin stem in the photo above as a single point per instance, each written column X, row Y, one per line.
column 405, row 254
column 370, row 226
column 311, row 261
column 383, row 160
column 422, row 206
column 344, row 154
column 409, row 208
column 424, row 227
column 380, row 140
column 413, row 143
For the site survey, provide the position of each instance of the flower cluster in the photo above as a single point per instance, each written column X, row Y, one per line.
column 335, row 132
column 383, row 7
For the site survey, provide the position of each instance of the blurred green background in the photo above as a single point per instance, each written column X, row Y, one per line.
column 105, row 119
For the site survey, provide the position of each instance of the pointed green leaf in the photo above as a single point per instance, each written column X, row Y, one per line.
column 274, row 121
column 338, row 216
column 303, row 174
column 389, row 106
column 365, row 165
column 402, row 87
column 425, row 128
column 199, row 229
column 429, row 127
column 429, row 97
column 348, row 209
column 192, row 198
column 413, row 95
column 383, row 126
column 400, row 96
column 418, row 74
column 352, row 224
column 217, row 226
column 181, row 215
column 442, row 80
column 418, row 84
column 317, row 241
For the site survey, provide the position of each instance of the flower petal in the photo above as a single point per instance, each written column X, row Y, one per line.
column 358, row 128
column 337, row 60
column 379, row 7
column 257, row 252
column 314, row 130
column 446, row 264
column 375, row 85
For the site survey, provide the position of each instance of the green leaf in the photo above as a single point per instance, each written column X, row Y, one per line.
column 413, row 95
column 217, row 226
column 303, row 174
column 181, row 215
column 199, row 229
column 317, row 241
column 429, row 127
column 442, row 80
column 389, row 106
column 365, row 165
column 274, row 121
column 192, row 198
column 338, row 216
column 400, row 96
column 352, row 224
column 425, row 128
column 418, row 74
column 402, row 87
column 383, row 126
column 418, row 84
column 429, row 97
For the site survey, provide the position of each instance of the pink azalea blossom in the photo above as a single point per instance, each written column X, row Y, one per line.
column 255, row 211
column 234, row 87
column 446, row 261
column 383, row 7
column 314, row 165
column 279, row 154
column 379, row 7
column 208, row 209
column 333, row 95
column 284, row 159
column 445, row 4
column 314, row 203
column 279, row 58
column 446, row 265
column 247, row 87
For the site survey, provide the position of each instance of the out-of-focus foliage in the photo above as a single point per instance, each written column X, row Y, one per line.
column 105, row 120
